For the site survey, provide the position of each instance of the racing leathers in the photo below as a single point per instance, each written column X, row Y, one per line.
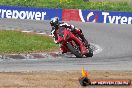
column 72, row 28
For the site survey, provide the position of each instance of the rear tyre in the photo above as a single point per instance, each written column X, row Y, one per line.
column 74, row 50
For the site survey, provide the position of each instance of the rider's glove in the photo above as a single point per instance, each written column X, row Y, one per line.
column 72, row 28
column 56, row 41
column 52, row 35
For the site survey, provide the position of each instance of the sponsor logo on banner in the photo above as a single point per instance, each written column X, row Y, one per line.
column 17, row 12
column 22, row 14
column 105, row 17
column 84, row 80
column 88, row 16
column 116, row 18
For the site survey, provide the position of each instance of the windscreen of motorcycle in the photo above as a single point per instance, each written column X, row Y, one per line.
column 61, row 31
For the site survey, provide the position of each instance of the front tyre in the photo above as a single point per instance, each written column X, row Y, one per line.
column 74, row 50
column 90, row 53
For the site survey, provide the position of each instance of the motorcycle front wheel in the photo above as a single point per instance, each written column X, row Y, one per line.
column 90, row 53
column 74, row 50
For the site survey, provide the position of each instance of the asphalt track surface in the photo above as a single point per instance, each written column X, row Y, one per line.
column 115, row 41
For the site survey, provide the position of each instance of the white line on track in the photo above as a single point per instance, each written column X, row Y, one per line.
column 26, row 31
column 41, row 33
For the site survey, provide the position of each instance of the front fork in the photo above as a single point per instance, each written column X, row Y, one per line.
column 83, row 49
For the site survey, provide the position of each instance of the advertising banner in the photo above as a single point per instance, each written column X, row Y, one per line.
column 16, row 12
column 105, row 17
column 97, row 16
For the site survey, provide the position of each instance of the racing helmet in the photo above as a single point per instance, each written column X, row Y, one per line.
column 54, row 21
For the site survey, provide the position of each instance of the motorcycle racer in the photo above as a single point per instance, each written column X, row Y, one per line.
column 55, row 24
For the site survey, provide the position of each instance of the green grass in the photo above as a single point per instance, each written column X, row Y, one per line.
column 72, row 4
column 18, row 42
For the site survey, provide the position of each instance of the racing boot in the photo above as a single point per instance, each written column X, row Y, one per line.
column 63, row 49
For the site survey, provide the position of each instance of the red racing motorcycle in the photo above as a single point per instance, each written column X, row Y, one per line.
column 73, row 43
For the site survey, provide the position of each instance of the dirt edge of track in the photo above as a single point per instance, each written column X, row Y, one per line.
column 58, row 79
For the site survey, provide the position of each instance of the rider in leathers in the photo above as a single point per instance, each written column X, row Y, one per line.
column 55, row 24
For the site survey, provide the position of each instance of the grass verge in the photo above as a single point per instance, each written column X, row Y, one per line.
column 18, row 42
column 72, row 4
